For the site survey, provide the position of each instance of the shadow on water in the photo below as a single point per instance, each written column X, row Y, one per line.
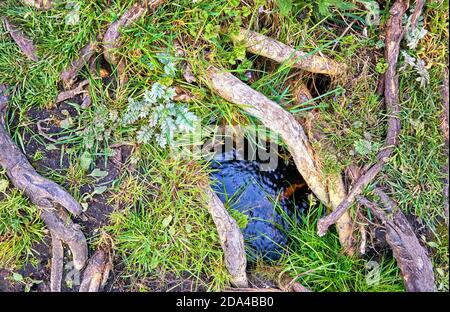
column 266, row 196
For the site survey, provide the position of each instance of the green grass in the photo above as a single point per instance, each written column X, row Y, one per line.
column 166, row 227
column 20, row 227
column 318, row 264
column 166, row 188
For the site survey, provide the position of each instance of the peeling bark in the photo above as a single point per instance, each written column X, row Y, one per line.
column 412, row 258
column 231, row 239
column 25, row 44
column 282, row 122
column 394, row 35
column 280, row 52
column 52, row 199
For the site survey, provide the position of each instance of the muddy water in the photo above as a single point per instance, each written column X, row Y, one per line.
column 264, row 196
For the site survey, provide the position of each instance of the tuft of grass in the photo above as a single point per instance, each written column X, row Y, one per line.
column 20, row 227
column 318, row 263
column 168, row 230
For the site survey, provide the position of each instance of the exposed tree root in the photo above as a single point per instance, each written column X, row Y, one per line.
column 57, row 264
column 411, row 257
column 79, row 89
column 394, row 35
column 97, row 271
column 444, row 127
column 40, row 4
column 52, row 199
column 25, row 44
column 112, row 35
column 282, row 122
column 231, row 239
column 69, row 75
column 280, row 52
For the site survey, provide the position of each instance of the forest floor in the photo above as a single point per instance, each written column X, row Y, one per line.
column 146, row 203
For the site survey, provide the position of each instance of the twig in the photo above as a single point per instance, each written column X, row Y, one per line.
column 394, row 35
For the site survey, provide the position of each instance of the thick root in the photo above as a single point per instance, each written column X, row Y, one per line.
column 51, row 198
column 231, row 239
column 282, row 122
column 69, row 75
column 57, row 265
column 97, row 271
column 111, row 38
column 280, row 52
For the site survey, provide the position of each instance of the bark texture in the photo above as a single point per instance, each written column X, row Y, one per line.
column 69, row 75
column 111, row 39
column 394, row 35
column 280, row 52
column 231, row 239
column 411, row 257
column 25, row 44
column 282, row 122
column 52, row 199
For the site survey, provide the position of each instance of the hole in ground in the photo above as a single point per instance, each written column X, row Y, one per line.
column 262, row 194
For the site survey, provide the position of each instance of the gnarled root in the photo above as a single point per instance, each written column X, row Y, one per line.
column 231, row 239
column 97, row 271
column 52, row 199
column 282, row 122
column 411, row 257
column 394, row 36
column 280, row 52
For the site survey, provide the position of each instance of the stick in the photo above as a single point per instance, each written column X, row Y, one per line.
column 394, row 35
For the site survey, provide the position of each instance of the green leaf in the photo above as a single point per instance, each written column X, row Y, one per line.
column 166, row 221
column 98, row 190
column 85, row 160
column 97, row 173
column 363, row 147
column 17, row 277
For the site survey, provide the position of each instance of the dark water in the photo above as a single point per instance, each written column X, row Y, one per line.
column 263, row 196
